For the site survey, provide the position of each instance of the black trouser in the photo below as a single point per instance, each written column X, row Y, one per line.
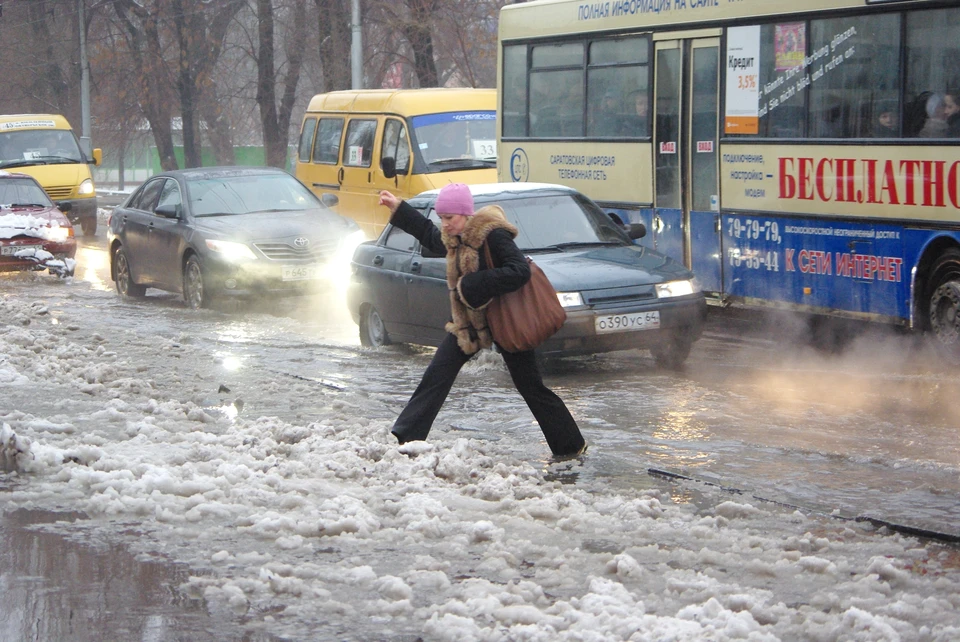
column 413, row 424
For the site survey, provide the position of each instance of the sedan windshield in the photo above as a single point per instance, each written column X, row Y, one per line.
column 245, row 194
column 457, row 140
column 22, row 192
column 554, row 222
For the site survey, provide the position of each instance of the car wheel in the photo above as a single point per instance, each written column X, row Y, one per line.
column 672, row 353
column 89, row 226
column 195, row 292
column 373, row 333
column 125, row 285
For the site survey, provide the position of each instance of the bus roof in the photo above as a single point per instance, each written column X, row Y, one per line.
column 557, row 17
column 407, row 102
column 11, row 122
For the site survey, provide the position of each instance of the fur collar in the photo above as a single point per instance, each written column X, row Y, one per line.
column 469, row 325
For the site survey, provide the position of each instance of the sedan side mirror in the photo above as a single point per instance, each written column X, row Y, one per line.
column 168, row 210
column 330, row 200
column 637, row 231
column 389, row 166
column 64, row 206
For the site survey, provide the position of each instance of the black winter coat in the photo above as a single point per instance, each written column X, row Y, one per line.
column 484, row 284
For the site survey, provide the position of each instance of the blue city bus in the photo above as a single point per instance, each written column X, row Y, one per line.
column 795, row 155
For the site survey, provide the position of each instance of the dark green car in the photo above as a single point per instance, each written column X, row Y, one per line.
column 618, row 295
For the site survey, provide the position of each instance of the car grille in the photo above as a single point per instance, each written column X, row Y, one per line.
column 316, row 251
column 58, row 193
column 615, row 296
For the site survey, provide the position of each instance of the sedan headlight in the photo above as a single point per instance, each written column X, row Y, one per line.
column 677, row 288
column 348, row 244
column 232, row 251
column 570, row 299
column 59, row 234
column 86, row 187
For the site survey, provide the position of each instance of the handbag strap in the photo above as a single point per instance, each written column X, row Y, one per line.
column 486, row 249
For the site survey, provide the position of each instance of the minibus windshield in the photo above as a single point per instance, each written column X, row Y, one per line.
column 38, row 147
column 456, row 140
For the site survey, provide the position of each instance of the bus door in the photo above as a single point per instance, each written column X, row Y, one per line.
column 686, row 220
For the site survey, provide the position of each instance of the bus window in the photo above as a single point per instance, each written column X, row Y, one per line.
column 786, row 114
column 932, row 76
column 306, row 139
column 556, row 95
column 515, row 90
column 327, row 148
column 845, row 99
column 617, row 72
column 667, row 180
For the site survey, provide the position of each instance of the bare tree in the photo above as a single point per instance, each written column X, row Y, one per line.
column 142, row 35
column 200, row 28
column 39, row 42
column 275, row 118
column 334, row 34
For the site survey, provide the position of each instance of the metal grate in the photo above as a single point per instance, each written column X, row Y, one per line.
column 619, row 295
column 58, row 193
column 316, row 251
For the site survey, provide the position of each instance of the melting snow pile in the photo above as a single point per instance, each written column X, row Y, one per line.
column 329, row 527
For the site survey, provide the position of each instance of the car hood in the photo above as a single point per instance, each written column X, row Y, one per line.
column 30, row 222
column 57, row 175
column 316, row 225
column 613, row 267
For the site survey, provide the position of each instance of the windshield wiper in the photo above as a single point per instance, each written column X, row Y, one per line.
column 20, row 163
column 453, row 164
column 563, row 246
column 218, row 214
column 26, row 205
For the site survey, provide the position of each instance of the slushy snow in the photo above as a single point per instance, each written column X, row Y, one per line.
column 328, row 525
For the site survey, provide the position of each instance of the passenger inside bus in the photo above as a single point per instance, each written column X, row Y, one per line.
column 939, row 109
column 886, row 124
column 606, row 119
column 636, row 123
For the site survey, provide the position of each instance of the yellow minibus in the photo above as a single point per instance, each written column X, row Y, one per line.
column 355, row 143
column 45, row 147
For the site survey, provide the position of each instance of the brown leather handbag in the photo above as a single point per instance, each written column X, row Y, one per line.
column 523, row 319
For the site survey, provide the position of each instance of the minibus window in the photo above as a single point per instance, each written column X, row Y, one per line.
column 306, row 139
column 358, row 151
column 395, row 145
column 327, row 148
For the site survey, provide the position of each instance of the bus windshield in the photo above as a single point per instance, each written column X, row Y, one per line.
column 456, row 140
column 38, row 147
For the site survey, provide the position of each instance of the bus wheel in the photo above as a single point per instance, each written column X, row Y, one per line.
column 944, row 302
column 945, row 317
column 671, row 354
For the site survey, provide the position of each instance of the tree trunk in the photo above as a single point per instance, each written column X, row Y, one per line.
column 50, row 91
column 276, row 123
column 186, row 36
column 334, row 30
column 143, row 36
column 418, row 34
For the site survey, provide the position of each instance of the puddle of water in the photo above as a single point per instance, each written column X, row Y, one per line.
column 53, row 588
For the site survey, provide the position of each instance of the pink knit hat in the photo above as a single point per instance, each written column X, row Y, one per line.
column 455, row 198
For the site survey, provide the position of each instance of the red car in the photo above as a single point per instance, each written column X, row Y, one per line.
column 34, row 233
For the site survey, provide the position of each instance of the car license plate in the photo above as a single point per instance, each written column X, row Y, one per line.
column 10, row 250
column 300, row 272
column 627, row 322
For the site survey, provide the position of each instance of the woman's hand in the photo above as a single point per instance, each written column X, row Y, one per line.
column 390, row 201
